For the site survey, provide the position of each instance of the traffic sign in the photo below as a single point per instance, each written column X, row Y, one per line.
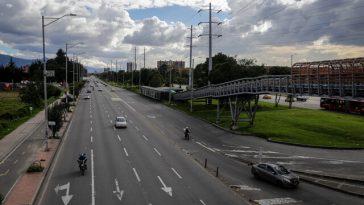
column 51, row 123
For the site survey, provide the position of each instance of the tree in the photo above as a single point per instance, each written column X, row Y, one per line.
column 36, row 71
column 30, row 95
column 55, row 113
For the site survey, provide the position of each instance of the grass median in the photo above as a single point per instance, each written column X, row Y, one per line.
column 296, row 126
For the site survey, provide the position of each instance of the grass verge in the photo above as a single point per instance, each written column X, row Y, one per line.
column 296, row 126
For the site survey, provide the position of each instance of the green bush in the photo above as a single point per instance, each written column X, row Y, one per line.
column 35, row 167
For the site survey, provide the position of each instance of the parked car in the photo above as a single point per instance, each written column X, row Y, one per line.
column 267, row 97
column 275, row 173
column 120, row 122
column 88, row 91
column 99, row 89
column 86, row 97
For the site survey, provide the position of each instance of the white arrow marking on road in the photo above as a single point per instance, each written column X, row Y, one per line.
column 119, row 193
column 67, row 198
column 5, row 173
column 168, row 190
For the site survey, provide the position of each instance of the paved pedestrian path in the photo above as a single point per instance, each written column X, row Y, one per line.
column 13, row 139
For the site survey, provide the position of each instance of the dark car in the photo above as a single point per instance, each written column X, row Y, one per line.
column 275, row 173
column 88, row 91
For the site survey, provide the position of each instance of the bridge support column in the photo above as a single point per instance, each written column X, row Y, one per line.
column 238, row 104
column 219, row 109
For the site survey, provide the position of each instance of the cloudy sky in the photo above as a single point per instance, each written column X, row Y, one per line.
column 267, row 30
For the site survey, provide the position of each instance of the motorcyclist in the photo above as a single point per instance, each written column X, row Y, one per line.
column 82, row 159
column 187, row 133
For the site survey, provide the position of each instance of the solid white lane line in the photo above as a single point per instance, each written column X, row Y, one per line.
column 91, row 139
column 275, row 201
column 119, row 138
column 157, row 151
column 92, row 179
column 145, row 137
column 179, row 176
column 202, row 202
column 204, row 146
column 126, row 152
column 136, row 174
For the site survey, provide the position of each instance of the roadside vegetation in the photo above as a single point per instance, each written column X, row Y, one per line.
column 295, row 126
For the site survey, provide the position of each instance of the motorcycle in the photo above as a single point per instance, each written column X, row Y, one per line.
column 82, row 165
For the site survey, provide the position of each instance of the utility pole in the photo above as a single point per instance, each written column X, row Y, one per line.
column 210, row 34
column 116, row 70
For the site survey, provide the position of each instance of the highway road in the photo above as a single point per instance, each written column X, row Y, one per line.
column 150, row 163
column 136, row 165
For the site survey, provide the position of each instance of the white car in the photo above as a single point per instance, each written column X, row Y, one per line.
column 120, row 122
column 99, row 89
column 86, row 97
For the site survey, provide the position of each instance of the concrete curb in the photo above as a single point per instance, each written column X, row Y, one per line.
column 350, row 189
column 45, row 173
column 326, row 176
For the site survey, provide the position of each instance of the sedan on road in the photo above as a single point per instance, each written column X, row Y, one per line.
column 86, row 97
column 99, row 89
column 275, row 173
column 120, row 122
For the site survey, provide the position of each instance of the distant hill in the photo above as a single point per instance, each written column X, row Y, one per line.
column 4, row 59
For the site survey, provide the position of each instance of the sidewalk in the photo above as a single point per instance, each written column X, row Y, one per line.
column 16, row 137
column 26, row 188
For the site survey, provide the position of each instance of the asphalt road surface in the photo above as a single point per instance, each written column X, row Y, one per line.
column 136, row 165
column 150, row 163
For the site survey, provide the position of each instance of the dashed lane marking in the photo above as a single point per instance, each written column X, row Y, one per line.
column 16, row 161
column 157, row 152
column 126, row 152
column 90, row 129
column 136, row 174
column 91, row 139
column 137, row 128
column 146, row 139
column 202, row 202
column 179, row 176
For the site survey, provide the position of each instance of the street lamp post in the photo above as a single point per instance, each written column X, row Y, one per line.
column 67, row 47
column 45, row 75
